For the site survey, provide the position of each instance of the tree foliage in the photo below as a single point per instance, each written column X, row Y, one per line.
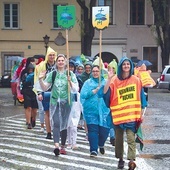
column 161, row 11
column 88, row 29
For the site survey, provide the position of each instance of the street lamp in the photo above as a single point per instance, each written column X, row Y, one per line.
column 46, row 41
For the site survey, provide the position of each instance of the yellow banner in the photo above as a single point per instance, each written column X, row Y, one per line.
column 145, row 75
column 100, row 17
column 127, row 93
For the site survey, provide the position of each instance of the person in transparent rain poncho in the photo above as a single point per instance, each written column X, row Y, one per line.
column 60, row 104
column 75, row 113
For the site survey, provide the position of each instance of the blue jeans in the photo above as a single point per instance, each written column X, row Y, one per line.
column 112, row 133
column 40, row 111
column 97, row 135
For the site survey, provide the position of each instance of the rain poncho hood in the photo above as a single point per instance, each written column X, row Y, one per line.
column 103, row 69
column 42, row 66
column 94, row 109
column 113, row 64
column 97, row 61
column 72, row 63
column 119, row 70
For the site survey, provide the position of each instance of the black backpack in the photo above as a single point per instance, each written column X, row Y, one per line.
column 53, row 77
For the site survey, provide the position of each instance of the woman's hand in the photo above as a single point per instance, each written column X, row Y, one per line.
column 42, row 74
column 110, row 73
column 96, row 90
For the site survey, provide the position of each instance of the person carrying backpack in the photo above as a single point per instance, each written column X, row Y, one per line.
column 43, row 98
column 60, row 103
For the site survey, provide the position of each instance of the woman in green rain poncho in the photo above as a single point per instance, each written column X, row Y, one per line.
column 59, row 103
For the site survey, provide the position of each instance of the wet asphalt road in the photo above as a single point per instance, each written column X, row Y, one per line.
column 156, row 126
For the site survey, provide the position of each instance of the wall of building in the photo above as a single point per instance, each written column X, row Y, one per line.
column 136, row 37
column 35, row 22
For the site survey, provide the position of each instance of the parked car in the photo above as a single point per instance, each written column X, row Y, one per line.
column 164, row 81
column 5, row 80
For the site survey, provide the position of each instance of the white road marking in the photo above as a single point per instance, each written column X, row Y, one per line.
column 15, row 125
column 21, row 163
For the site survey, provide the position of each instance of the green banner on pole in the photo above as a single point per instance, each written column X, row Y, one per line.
column 66, row 16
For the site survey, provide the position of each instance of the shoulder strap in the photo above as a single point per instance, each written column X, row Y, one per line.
column 53, row 77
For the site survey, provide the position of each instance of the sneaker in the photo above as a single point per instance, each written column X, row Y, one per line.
column 29, row 126
column 48, row 136
column 33, row 123
column 131, row 165
column 80, row 128
column 57, row 151
column 102, row 151
column 69, row 146
column 93, row 154
column 112, row 141
column 63, row 151
column 121, row 164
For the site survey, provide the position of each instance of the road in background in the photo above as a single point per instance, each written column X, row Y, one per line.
column 25, row 149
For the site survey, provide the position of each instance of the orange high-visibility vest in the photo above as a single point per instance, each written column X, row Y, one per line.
column 125, row 100
column 146, row 79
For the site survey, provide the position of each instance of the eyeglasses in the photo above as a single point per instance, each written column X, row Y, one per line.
column 95, row 71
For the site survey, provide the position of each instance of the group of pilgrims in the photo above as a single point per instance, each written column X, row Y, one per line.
column 104, row 100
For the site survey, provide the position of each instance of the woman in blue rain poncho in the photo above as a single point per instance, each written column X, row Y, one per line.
column 95, row 112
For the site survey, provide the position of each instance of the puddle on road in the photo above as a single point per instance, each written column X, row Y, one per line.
column 157, row 156
column 157, row 141
column 152, row 156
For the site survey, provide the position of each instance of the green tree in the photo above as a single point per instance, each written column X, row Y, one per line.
column 88, row 29
column 161, row 27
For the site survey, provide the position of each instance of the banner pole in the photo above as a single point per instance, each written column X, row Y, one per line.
column 100, row 55
column 67, row 52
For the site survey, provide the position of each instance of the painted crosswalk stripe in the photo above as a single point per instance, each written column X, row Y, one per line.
column 14, row 136
column 21, row 163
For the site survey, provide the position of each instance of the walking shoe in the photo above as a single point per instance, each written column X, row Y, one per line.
column 63, row 151
column 80, row 128
column 112, row 141
column 102, row 151
column 57, row 151
column 121, row 164
column 48, row 136
column 93, row 154
column 131, row 165
column 33, row 123
column 69, row 146
column 29, row 126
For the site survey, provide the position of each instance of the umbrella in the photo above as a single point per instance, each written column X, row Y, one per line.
column 39, row 56
column 139, row 135
column 15, row 58
column 146, row 62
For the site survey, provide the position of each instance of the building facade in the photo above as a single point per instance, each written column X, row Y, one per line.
column 129, row 33
column 24, row 23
